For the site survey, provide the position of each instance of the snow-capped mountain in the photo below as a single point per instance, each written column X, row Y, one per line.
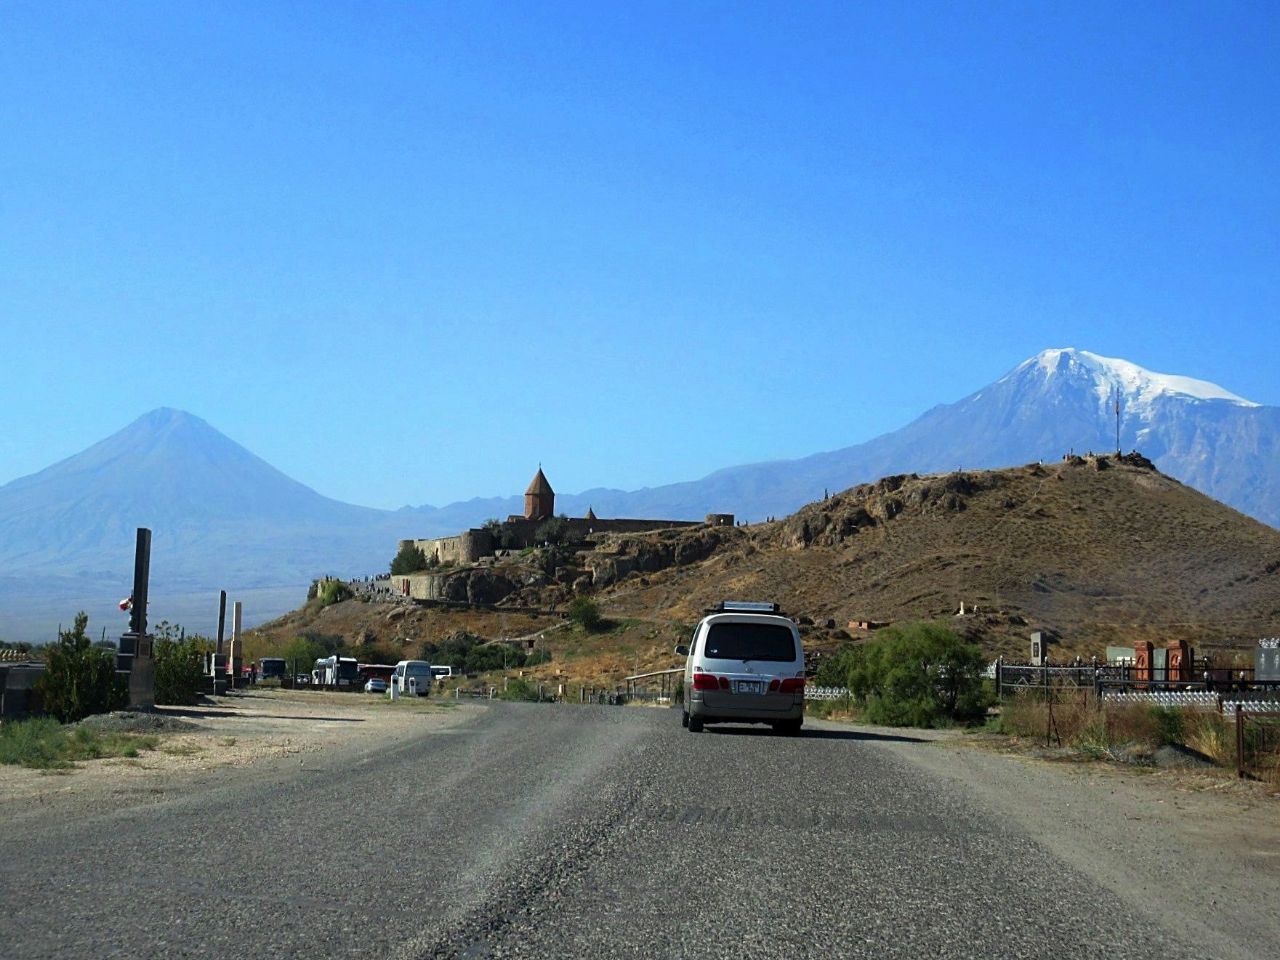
column 1058, row 401
column 225, row 518
column 1138, row 389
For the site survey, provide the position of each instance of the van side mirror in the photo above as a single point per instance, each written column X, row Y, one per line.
column 682, row 650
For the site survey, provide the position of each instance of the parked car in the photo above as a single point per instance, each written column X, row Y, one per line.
column 375, row 685
column 744, row 664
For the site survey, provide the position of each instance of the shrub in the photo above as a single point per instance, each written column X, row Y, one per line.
column 586, row 613
column 334, row 591
column 495, row 656
column 1169, row 724
column 179, row 670
column 915, row 674
column 520, row 689
column 80, row 679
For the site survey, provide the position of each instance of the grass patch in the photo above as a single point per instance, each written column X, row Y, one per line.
column 181, row 749
column 1131, row 732
column 44, row 744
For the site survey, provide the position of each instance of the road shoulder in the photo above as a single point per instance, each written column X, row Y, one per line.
column 1198, row 854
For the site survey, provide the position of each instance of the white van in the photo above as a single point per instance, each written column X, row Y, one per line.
column 442, row 672
column 412, row 676
column 744, row 664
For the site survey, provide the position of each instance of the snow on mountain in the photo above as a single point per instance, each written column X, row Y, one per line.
column 1138, row 387
column 1058, row 401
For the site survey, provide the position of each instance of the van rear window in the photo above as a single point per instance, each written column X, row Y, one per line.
column 750, row 641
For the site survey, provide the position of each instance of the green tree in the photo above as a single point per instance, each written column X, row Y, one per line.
column 554, row 531
column 914, row 674
column 300, row 655
column 586, row 613
column 409, row 559
column 80, row 679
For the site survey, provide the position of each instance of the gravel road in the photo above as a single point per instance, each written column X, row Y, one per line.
column 567, row 831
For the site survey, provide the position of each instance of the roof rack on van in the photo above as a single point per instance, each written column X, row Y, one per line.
column 744, row 606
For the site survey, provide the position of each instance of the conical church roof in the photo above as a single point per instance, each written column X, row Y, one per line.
column 591, row 514
column 539, row 484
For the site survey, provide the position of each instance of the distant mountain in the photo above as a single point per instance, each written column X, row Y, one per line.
column 223, row 517
column 1060, row 400
column 220, row 516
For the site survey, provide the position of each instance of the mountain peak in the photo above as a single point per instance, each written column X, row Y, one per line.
column 1137, row 385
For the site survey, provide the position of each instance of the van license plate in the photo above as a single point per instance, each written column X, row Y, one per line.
column 750, row 686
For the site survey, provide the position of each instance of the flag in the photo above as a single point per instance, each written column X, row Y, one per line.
column 126, row 604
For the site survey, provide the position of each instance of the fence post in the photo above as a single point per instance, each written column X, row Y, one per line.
column 999, row 681
column 1239, row 742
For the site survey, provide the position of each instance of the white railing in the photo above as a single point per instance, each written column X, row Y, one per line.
column 1195, row 699
column 825, row 693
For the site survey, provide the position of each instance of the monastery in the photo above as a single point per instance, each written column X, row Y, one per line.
column 520, row 531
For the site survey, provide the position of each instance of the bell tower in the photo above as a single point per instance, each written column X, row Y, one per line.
column 539, row 499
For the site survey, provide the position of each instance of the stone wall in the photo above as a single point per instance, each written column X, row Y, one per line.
column 467, row 547
column 470, row 545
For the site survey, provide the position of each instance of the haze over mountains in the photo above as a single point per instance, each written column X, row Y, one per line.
column 223, row 517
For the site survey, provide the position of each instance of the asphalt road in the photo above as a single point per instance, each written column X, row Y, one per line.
column 563, row 831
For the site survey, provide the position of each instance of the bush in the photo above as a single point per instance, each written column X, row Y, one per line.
column 80, row 679
column 493, row 657
column 520, row 689
column 334, row 591
column 915, row 674
column 586, row 613
column 179, row 670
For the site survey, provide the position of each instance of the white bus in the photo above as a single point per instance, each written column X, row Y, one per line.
column 336, row 673
column 412, row 676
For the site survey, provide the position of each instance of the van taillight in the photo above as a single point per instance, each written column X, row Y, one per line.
column 706, row 681
column 792, row 685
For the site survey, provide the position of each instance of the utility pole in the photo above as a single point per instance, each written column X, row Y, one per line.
column 1117, row 421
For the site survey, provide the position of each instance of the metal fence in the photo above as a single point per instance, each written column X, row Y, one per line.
column 1258, row 744
column 1203, row 675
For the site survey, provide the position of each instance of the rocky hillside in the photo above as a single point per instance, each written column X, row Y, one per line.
column 1093, row 550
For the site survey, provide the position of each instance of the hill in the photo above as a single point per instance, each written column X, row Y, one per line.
column 1094, row 550
column 225, row 518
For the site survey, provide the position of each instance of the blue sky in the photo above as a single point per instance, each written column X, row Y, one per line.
column 404, row 252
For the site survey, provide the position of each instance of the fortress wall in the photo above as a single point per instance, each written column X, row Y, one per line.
column 467, row 547
column 444, row 549
column 470, row 545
